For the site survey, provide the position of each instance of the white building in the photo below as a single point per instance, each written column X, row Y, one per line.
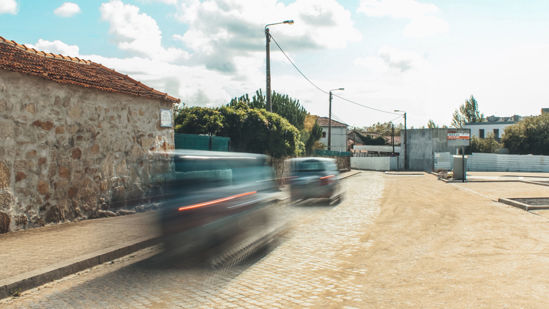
column 339, row 134
column 492, row 126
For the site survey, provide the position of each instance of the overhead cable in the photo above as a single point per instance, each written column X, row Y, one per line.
column 322, row 90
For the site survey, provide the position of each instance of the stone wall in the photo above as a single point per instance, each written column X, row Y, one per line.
column 67, row 152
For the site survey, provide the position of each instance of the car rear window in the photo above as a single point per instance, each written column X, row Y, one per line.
column 310, row 166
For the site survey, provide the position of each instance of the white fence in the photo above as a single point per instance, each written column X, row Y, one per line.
column 374, row 163
column 376, row 148
column 491, row 162
column 507, row 163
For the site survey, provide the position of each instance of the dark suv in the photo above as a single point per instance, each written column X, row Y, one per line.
column 213, row 199
column 314, row 178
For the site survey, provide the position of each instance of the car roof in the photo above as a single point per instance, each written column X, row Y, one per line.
column 311, row 159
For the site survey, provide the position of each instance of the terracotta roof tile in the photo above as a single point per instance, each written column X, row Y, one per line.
column 324, row 121
column 15, row 57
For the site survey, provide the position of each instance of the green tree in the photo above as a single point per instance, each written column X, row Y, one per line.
column 259, row 131
column 528, row 136
column 383, row 129
column 487, row 145
column 309, row 138
column 370, row 140
column 198, row 120
column 467, row 112
column 283, row 105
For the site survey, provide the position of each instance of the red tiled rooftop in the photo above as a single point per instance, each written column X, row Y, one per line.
column 324, row 121
column 15, row 57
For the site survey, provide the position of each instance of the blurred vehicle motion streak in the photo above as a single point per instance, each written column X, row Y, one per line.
column 213, row 201
column 314, row 178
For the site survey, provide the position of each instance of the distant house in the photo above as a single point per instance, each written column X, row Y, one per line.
column 339, row 134
column 492, row 126
column 75, row 137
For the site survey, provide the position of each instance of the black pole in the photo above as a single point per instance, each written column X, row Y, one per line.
column 463, row 162
column 330, row 124
column 393, row 137
column 405, row 144
column 268, row 70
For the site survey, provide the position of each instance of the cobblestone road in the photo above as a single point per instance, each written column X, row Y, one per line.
column 308, row 268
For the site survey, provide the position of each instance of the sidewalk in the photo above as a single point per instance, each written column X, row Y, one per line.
column 33, row 257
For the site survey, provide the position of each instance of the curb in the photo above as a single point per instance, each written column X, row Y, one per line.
column 522, row 205
column 38, row 277
column 350, row 175
column 535, row 183
column 394, row 173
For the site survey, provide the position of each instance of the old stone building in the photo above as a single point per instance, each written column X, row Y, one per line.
column 74, row 136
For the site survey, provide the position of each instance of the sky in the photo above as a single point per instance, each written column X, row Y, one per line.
column 422, row 57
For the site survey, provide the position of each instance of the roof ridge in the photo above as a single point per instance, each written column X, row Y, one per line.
column 43, row 53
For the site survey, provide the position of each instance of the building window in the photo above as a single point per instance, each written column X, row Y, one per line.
column 481, row 133
column 496, row 133
column 324, row 134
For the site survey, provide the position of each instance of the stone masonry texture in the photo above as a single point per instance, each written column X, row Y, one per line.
column 67, row 151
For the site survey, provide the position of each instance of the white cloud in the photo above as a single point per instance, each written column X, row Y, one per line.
column 56, row 47
column 422, row 17
column 220, row 30
column 67, row 9
column 172, row 2
column 8, row 7
column 389, row 58
column 193, row 84
column 137, row 33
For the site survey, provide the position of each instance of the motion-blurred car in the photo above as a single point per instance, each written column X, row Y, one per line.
column 314, row 178
column 213, row 199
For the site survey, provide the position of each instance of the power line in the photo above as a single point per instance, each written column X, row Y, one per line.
column 320, row 89
column 295, row 66
column 362, row 105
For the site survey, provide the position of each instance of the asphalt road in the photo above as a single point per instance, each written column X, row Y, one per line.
column 308, row 266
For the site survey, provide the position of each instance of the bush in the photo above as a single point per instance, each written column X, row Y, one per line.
column 487, row 145
column 250, row 130
column 528, row 136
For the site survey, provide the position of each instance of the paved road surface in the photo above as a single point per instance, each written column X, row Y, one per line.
column 395, row 242
column 308, row 267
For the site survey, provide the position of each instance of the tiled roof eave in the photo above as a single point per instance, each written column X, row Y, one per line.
column 61, row 69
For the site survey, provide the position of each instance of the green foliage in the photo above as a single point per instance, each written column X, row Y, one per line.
column 370, row 140
column 283, row 105
column 250, row 130
column 309, row 138
column 383, row 129
column 468, row 112
column 528, row 136
column 431, row 124
column 487, row 145
column 198, row 120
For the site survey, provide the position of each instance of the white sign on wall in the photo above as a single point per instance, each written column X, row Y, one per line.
column 166, row 118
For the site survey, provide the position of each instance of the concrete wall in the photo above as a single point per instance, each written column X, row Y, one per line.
column 374, row 163
column 67, row 152
column 423, row 143
column 339, row 138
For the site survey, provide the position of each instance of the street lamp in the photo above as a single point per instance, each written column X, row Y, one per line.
column 330, row 119
column 405, row 140
column 268, row 52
